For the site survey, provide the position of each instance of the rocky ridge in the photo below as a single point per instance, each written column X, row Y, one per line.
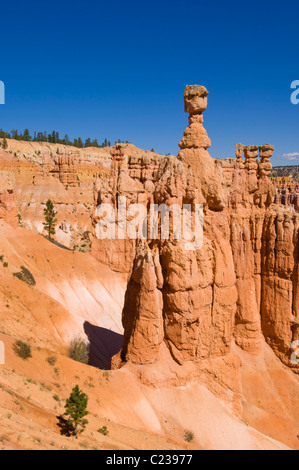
column 64, row 174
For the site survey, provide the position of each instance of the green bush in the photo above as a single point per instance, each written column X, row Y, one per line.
column 22, row 350
column 79, row 350
column 25, row 276
column 51, row 360
column 188, row 436
column 103, row 431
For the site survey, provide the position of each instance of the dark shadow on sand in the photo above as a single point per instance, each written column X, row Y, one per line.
column 104, row 344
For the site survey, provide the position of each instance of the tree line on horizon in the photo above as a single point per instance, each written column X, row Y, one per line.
column 54, row 138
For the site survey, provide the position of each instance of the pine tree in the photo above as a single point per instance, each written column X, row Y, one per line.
column 94, row 143
column 26, row 136
column 50, row 219
column 87, row 142
column 15, row 135
column 4, row 144
column 76, row 410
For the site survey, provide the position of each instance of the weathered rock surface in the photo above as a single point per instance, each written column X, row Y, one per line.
column 195, row 321
column 65, row 167
column 241, row 285
column 8, row 210
column 65, row 175
column 286, row 193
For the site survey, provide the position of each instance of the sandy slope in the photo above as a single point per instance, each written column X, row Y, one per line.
column 73, row 293
column 138, row 417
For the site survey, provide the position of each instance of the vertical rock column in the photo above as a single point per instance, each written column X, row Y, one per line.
column 213, row 301
column 142, row 313
column 279, row 308
column 251, row 153
column 194, row 145
column 8, row 209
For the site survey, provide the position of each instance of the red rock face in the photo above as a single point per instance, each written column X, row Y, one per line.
column 241, row 286
column 8, row 210
column 280, row 281
column 65, row 167
column 143, row 330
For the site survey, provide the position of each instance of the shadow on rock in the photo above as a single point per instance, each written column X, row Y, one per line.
column 104, row 344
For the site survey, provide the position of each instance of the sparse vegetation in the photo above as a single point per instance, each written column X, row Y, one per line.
column 51, row 360
column 189, row 436
column 30, row 381
column 104, row 431
column 52, row 138
column 79, row 350
column 22, row 349
column 106, row 375
column 26, row 276
column 43, row 387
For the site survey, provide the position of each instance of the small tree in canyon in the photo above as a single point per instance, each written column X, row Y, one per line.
column 50, row 218
column 76, row 410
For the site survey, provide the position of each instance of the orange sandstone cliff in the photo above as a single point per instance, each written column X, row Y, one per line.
column 241, row 285
column 240, row 288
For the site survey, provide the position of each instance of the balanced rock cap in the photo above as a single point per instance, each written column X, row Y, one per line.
column 195, row 98
column 195, row 90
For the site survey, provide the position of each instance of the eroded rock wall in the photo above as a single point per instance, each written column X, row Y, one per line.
column 241, row 285
column 8, row 210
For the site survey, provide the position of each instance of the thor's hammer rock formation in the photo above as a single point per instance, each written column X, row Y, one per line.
column 241, row 286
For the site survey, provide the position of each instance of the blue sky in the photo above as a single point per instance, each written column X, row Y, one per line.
column 118, row 69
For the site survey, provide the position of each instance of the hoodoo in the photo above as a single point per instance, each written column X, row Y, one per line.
column 237, row 287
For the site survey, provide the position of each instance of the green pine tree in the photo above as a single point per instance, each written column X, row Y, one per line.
column 80, row 143
column 87, row 142
column 50, row 218
column 76, row 410
column 4, row 144
column 26, row 136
